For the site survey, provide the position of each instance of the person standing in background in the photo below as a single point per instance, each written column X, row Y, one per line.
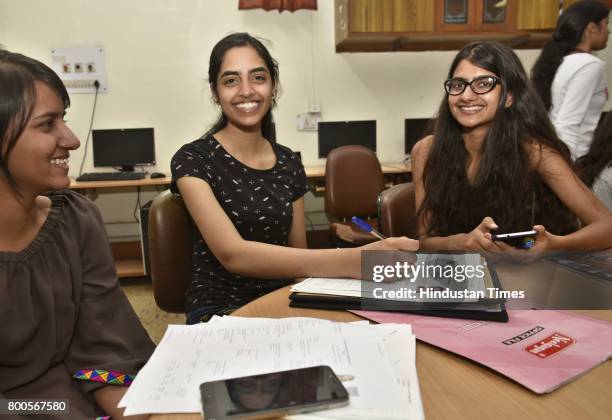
column 595, row 168
column 569, row 79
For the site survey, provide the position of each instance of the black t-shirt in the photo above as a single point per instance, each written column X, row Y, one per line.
column 259, row 204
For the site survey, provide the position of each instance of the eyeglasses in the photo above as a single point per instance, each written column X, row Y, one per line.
column 479, row 85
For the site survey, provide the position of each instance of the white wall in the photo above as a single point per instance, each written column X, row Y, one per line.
column 157, row 59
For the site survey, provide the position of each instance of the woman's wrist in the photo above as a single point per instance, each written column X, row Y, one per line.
column 457, row 242
column 556, row 243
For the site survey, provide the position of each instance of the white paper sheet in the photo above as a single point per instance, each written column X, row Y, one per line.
column 190, row 355
column 401, row 347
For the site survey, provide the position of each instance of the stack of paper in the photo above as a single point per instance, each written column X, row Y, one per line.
column 378, row 360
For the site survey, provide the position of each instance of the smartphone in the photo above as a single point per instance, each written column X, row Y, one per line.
column 524, row 240
column 273, row 395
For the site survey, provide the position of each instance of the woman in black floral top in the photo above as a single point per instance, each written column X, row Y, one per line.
column 245, row 193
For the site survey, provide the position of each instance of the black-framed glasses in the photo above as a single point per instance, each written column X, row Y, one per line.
column 479, row 85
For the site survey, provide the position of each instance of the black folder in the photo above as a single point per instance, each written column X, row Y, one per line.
column 331, row 302
column 486, row 310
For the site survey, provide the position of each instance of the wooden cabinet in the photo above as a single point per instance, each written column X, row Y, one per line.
column 531, row 14
column 389, row 15
column 474, row 15
column 375, row 25
column 416, row 25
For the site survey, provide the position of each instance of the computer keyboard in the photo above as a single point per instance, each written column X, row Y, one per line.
column 110, row 176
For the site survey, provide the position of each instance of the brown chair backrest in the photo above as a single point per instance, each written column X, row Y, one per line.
column 170, row 246
column 353, row 180
column 397, row 211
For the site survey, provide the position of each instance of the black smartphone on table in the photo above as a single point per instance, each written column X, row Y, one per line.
column 273, row 395
column 523, row 240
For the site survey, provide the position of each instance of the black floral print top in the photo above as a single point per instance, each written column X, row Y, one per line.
column 259, row 204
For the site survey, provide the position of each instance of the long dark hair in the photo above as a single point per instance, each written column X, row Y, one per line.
column 18, row 75
column 599, row 156
column 570, row 28
column 505, row 185
column 241, row 39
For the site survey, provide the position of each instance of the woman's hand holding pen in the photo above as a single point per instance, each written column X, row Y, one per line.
column 396, row 244
column 401, row 243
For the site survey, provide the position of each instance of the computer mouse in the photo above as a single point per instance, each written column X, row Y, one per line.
column 158, row 175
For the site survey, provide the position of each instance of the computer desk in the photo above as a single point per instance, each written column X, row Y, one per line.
column 454, row 387
column 394, row 172
column 93, row 186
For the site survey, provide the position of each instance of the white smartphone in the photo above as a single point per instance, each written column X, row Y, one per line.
column 273, row 395
column 523, row 240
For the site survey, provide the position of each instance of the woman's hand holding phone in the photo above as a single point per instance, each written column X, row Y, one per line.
column 520, row 240
column 542, row 242
column 531, row 245
column 480, row 239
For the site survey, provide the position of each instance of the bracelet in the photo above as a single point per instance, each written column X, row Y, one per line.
column 110, row 377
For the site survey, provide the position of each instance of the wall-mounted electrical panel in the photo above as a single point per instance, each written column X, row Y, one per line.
column 80, row 67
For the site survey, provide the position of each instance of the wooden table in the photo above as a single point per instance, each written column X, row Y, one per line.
column 453, row 387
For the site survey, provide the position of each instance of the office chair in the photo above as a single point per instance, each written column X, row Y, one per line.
column 170, row 246
column 353, row 180
column 397, row 211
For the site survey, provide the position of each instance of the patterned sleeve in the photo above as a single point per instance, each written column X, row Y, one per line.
column 300, row 182
column 189, row 161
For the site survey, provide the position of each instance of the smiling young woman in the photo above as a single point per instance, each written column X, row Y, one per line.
column 494, row 163
column 245, row 193
column 62, row 312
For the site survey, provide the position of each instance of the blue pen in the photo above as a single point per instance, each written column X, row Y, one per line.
column 366, row 227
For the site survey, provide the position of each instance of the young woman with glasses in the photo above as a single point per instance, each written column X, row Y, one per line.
column 570, row 80
column 495, row 164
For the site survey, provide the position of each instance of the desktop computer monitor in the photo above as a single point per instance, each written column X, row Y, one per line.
column 414, row 130
column 123, row 147
column 334, row 134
